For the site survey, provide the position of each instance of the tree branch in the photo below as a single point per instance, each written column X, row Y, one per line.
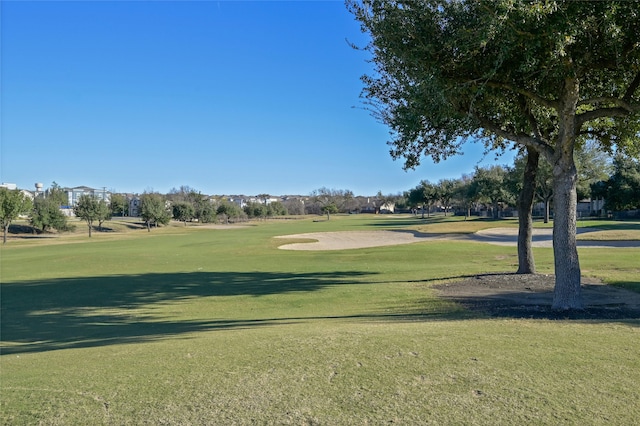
column 620, row 103
column 526, row 111
column 536, row 143
column 632, row 88
column 553, row 104
column 604, row 113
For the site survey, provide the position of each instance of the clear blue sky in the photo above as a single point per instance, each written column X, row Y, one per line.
column 227, row 97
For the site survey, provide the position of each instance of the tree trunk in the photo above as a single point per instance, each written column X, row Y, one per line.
column 89, row 224
column 526, row 262
column 567, row 267
column 566, row 294
column 5, row 230
column 547, row 205
column 494, row 207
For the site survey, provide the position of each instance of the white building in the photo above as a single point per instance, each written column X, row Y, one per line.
column 74, row 194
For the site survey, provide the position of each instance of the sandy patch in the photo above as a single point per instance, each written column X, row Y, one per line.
column 353, row 239
column 221, row 226
column 345, row 240
column 543, row 238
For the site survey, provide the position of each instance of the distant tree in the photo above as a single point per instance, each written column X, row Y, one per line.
column 154, row 210
column 57, row 195
column 623, row 188
column 118, row 205
column 347, row 202
column 205, row 211
column 341, row 200
column 264, row 211
column 425, row 194
column 544, row 187
column 294, row 206
column 492, row 187
column 256, row 210
column 446, row 190
column 276, row 208
column 105, row 213
column 229, row 212
column 90, row 209
column 593, row 166
column 464, row 194
column 184, row 193
column 13, row 203
column 183, row 211
column 46, row 215
column 330, row 209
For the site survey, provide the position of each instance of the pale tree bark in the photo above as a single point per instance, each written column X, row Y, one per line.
column 547, row 205
column 567, row 267
column 526, row 262
column 565, row 201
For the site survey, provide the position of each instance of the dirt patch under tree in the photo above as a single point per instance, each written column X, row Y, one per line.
column 531, row 295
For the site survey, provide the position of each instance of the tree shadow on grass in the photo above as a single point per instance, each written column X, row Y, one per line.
column 95, row 311
column 98, row 311
column 399, row 222
column 404, row 221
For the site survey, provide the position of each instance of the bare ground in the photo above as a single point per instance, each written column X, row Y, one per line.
column 531, row 295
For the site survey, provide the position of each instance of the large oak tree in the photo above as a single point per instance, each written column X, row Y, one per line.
column 545, row 75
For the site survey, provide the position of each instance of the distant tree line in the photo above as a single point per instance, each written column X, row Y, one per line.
column 496, row 188
column 493, row 189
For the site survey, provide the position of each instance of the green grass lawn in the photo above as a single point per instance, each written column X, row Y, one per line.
column 187, row 325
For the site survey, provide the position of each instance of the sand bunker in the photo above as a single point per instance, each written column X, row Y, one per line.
column 362, row 239
column 353, row 239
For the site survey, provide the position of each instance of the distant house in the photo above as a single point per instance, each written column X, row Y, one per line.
column 388, row 208
column 135, row 205
column 74, row 194
column 9, row 186
column 239, row 200
column 14, row 187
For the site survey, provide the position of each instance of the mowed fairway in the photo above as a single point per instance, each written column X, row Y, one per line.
column 195, row 326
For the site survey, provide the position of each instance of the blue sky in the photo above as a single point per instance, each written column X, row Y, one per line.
column 227, row 97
